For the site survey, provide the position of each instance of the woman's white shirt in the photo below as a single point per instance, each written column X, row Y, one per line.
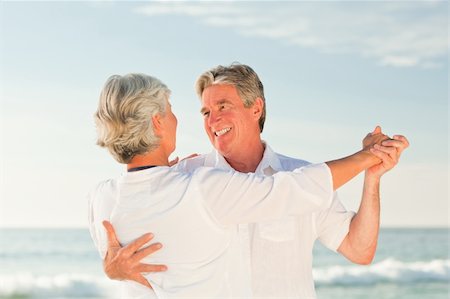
column 195, row 216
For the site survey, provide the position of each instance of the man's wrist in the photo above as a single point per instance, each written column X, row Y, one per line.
column 372, row 177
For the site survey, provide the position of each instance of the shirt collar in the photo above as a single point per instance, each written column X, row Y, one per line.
column 217, row 161
column 270, row 161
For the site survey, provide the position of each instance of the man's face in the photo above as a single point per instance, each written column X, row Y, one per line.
column 231, row 127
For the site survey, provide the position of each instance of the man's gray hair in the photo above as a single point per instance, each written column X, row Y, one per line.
column 243, row 77
column 123, row 119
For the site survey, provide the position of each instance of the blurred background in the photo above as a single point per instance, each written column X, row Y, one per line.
column 331, row 71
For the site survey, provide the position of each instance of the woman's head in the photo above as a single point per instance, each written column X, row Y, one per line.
column 124, row 115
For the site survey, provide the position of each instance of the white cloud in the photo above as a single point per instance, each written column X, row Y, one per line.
column 401, row 34
column 186, row 8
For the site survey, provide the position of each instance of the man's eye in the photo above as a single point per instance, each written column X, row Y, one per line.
column 205, row 114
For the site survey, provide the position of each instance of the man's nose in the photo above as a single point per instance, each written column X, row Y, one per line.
column 213, row 118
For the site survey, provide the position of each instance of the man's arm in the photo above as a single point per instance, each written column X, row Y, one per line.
column 342, row 171
column 361, row 241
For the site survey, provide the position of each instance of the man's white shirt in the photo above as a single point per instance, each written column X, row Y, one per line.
column 278, row 254
column 194, row 213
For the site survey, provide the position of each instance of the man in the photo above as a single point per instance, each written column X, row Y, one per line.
column 278, row 254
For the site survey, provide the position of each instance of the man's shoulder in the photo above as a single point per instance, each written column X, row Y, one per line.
column 289, row 163
column 191, row 164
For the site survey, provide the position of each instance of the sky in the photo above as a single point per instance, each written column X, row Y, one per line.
column 331, row 71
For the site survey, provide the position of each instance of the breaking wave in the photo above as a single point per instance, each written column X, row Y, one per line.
column 389, row 271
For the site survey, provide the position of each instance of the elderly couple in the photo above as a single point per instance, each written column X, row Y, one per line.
column 239, row 222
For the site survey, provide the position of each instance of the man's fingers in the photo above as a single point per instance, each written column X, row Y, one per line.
column 396, row 142
column 146, row 268
column 141, row 279
column 390, row 150
column 385, row 157
column 134, row 246
column 139, row 255
column 392, row 142
column 111, row 233
column 400, row 143
column 403, row 139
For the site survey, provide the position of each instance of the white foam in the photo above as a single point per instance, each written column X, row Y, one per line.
column 91, row 286
column 58, row 286
column 389, row 270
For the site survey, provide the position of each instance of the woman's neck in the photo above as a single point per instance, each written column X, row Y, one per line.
column 153, row 158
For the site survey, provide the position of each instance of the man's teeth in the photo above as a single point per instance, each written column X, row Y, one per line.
column 221, row 132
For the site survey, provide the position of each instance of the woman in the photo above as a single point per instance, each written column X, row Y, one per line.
column 135, row 122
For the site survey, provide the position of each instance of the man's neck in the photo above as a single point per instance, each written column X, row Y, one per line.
column 248, row 159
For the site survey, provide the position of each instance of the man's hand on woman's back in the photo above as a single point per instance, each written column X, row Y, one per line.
column 124, row 263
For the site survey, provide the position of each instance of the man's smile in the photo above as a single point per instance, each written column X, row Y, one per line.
column 221, row 132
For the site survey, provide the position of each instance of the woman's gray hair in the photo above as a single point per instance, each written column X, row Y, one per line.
column 123, row 119
column 243, row 77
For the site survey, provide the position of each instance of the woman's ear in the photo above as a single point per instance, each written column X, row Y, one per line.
column 157, row 124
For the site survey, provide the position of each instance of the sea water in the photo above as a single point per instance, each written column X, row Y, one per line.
column 63, row 263
column 409, row 264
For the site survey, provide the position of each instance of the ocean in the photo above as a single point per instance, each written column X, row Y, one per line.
column 63, row 264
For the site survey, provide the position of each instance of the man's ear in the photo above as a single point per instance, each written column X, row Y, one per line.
column 157, row 124
column 258, row 107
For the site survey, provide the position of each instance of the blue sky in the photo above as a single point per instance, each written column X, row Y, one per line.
column 331, row 72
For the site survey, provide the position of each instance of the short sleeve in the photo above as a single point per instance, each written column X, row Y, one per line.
column 333, row 224
column 101, row 202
